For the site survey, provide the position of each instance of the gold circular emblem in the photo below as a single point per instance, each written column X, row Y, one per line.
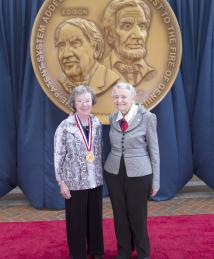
column 99, row 43
column 90, row 157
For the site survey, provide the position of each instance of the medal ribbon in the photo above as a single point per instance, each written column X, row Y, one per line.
column 88, row 142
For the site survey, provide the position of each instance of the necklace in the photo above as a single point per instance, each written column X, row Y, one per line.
column 87, row 139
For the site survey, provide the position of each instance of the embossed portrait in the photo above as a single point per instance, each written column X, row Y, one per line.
column 80, row 48
column 126, row 24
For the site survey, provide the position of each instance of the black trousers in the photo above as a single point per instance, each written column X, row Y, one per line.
column 129, row 202
column 84, row 223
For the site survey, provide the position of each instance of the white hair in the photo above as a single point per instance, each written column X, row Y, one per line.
column 123, row 85
column 78, row 90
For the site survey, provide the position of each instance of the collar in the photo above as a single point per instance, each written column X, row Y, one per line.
column 143, row 66
column 71, row 117
column 130, row 115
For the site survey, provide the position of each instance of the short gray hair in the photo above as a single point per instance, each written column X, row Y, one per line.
column 123, row 85
column 90, row 31
column 110, row 13
column 77, row 91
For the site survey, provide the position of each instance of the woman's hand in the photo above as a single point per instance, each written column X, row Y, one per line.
column 154, row 192
column 65, row 192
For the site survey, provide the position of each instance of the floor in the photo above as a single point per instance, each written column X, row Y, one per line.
column 195, row 198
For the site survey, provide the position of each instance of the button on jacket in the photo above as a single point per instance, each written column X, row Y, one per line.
column 138, row 144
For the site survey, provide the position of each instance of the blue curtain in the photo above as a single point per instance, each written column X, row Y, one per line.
column 196, row 19
column 28, row 119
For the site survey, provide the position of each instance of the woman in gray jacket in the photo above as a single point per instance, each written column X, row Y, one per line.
column 78, row 169
column 131, row 170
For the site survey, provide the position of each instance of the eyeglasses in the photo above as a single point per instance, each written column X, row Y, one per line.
column 87, row 101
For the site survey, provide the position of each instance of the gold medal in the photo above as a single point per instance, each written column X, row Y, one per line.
column 90, row 157
column 88, row 141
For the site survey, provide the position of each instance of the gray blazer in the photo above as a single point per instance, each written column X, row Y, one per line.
column 139, row 145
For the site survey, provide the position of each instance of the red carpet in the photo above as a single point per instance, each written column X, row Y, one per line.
column 177, row 237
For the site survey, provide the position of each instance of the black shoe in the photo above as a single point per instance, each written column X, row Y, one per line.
column 97, row 257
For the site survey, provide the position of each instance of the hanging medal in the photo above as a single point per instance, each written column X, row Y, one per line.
column 88, row 141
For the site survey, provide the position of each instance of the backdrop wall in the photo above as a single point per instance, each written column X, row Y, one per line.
column 28, row 119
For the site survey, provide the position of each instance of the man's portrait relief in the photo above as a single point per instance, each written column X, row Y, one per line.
column 100, row 43
column 80, row 48
column 126, row 24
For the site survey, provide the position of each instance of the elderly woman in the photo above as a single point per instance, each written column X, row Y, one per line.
column 78, row 169
column 131, row 170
